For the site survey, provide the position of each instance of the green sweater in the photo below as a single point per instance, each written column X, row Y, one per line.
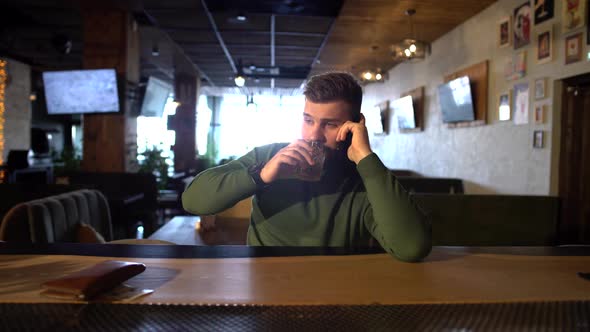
column 350, row 204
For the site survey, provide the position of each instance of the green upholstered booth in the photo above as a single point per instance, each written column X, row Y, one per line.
column 491, row 220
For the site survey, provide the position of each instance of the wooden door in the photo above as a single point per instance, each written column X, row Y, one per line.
column 574, row 168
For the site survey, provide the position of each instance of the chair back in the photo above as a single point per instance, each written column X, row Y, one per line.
column 419, row 184
column 56, row 218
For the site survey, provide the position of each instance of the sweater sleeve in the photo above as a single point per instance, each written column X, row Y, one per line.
column 219, row 188
column 392, row 217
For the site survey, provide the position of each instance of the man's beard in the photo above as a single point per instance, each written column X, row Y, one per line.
column 336, row 158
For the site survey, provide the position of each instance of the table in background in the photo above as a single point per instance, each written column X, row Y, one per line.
column 185, row 230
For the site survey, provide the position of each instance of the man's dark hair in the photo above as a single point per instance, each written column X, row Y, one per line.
column 335, row 86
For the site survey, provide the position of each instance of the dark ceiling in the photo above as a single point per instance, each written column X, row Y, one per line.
column 278, row 45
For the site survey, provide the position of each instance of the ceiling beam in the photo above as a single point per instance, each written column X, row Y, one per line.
column 252, row 32
column 317, row 56
column 272, row 47
column 218, row 35
column 181, row 51
column 285, row 47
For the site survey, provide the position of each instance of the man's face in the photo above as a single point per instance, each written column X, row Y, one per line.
column 321, row 122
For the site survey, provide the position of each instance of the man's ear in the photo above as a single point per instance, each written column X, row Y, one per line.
column 362, row 118
column 356, row 117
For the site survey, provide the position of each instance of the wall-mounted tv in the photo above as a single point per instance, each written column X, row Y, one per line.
column 403, row 108
column 455, row 100
column 157, row 92
column 81, row 91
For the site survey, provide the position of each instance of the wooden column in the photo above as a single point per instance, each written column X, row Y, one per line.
column 184, row 122
column 111, row 41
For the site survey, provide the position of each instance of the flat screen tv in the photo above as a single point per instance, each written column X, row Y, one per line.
column 81, row 91
column 455, row 100
column 403, row 108
column 156, row 95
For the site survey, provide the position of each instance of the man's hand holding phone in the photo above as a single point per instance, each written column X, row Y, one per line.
column 359, row 146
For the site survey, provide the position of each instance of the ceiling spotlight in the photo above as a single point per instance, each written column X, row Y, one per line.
column 240, row 80
column 155, row 50
column 241, row 17
column 378, row 76
column 368, row 75
column 413, row 48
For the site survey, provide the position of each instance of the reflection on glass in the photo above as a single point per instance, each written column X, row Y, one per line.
column 404, row 111
column 461, row 91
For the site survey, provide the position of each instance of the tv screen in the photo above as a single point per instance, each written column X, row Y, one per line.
column 403, row 109
column 455, row 100
column 156, row 95
column 81, row 91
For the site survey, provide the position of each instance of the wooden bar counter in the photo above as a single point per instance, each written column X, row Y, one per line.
column 223, row 275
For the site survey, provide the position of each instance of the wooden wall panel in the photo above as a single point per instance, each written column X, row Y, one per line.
column 107, row 145
column 184, row 121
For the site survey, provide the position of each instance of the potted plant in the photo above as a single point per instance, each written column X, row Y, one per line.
column 155, row 163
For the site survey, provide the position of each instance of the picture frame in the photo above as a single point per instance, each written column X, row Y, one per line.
column 521, row 28
column 544, row 46
column 573, row 48
column 543, row 10
column 504, row 32
column 504, row 102
column 538, row 139
column 378, row 121
column 540, row 88
column 520, row 103
column 573, row 14
column 539, row 113
column 515, row 66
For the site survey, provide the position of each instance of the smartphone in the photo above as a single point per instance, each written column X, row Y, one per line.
column 344, row 145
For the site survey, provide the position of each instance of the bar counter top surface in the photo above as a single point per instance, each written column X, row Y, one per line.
column 243, row 275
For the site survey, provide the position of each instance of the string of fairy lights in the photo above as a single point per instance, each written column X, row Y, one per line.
column 3, row 79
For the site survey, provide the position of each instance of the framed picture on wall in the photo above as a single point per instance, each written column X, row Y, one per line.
column 522, row 25
column 521, row 103
column 573, row 14
column 504, row 106
column 543, row 10
column 515, row 67
column 573, row 48
column 377, row 119
column 538, row 139
column 539, row 113
column 540, row 88
column 504, row 33
column 545, row 46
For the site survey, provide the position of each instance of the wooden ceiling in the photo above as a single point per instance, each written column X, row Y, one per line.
column 366, row 23
column 299, row 37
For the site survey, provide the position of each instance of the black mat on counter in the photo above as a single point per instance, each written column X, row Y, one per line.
column 551, row 316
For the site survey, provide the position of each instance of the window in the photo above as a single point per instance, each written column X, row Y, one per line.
column 153, row 132
column 204, row 115
column 275, row 119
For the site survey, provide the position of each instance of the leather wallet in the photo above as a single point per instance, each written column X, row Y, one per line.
column 91, row 281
